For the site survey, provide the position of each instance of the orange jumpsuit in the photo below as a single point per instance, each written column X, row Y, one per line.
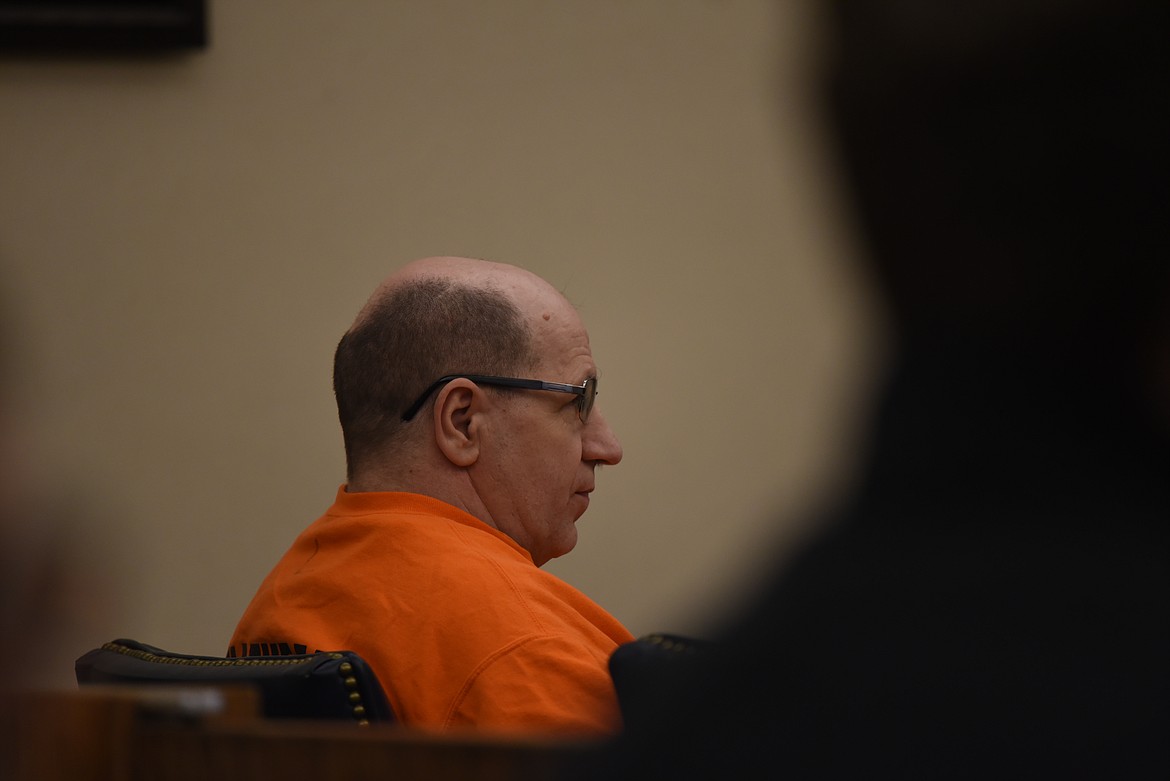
column 461, row 628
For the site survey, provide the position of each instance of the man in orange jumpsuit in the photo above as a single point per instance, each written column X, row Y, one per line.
column 465, row 390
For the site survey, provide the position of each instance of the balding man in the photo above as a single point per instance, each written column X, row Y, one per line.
column 466, row 391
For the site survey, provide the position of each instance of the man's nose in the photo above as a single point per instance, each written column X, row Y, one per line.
column 600, row 443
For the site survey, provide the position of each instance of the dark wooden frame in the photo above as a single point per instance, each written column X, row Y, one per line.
column 131, row 25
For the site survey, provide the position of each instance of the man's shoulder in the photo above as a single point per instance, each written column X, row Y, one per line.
column 405, row 538
column 419, row 549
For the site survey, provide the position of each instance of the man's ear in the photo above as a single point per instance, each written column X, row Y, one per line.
column 458, row 407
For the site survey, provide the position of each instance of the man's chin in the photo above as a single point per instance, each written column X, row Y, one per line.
column 563, row 544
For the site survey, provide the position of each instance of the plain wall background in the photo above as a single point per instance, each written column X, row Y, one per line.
column 184, row 238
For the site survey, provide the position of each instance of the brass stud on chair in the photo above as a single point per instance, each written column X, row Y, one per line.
column 350, row 681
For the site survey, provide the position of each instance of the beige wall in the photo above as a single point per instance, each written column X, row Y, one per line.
column 183, row 240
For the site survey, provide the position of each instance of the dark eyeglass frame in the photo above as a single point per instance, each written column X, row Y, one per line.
column 586, row 392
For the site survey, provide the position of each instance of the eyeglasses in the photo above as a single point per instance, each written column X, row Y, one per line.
column 586, row 392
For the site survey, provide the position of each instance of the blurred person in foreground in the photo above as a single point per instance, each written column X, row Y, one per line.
column 993, row 598
column 465, row 390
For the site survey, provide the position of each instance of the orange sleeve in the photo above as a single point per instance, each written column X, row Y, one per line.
column 545, row 683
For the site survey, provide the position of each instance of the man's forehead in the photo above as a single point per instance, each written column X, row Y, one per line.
column 562, row 346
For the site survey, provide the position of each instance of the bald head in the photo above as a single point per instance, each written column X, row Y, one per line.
column 519, row 285
column 428, row 319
